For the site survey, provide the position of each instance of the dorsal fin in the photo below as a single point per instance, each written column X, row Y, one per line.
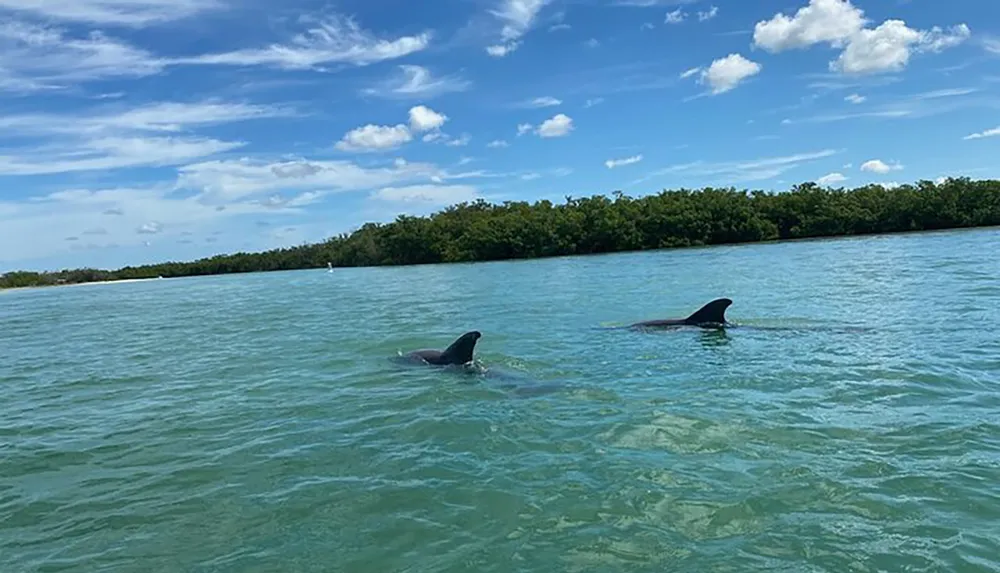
column 460, row 351
column 713, row 312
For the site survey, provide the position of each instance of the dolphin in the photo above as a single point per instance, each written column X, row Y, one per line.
column 712, row 315
column 459, row 353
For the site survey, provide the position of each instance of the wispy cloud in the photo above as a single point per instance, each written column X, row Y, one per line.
column 708, row 14
column 913, row 106
column 613, row 163
column 333, row 40
column 122, row 12
column 540, row 102
column 34, row 57
column 161, row 117
column 418, row 82
column 518, row 17
column 739, row 171
column 987, row 133
column 113, row 137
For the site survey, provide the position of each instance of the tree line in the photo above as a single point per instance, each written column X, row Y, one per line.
column 482, row 231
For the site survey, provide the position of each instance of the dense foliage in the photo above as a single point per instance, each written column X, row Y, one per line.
column 480, row 231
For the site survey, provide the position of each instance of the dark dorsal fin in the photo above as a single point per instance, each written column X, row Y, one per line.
column 713, row 312
column 460, row 351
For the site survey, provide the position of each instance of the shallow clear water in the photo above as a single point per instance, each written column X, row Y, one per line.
column 252, row 423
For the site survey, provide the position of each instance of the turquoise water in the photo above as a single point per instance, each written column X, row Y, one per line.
column 252, row 423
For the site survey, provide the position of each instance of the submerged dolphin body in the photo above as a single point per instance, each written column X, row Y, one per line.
column 459, row 353
column 712, row 315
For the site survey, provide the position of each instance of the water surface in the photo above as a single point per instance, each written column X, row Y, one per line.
column 251, row 423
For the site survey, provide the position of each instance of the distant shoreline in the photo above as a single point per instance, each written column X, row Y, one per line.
column 516, row 231
column 103, row 282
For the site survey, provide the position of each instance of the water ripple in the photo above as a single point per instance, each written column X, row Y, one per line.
column 255, row 423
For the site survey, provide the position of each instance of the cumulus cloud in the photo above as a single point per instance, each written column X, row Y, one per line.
column 838, row 23
column 879, row 166
column 423, row 118
column 855, row 98
column 373, row 137
column 831, row 178
column 497, row 143
column 612, row 163
column 523, row 128
column 559, row 125
column 726, row 73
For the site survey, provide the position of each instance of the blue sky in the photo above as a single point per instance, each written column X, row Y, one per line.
column 137, row 131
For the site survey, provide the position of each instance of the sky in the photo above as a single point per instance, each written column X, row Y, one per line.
column 138, row 131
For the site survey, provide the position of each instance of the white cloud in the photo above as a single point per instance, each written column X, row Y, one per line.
column 122, row 12
column 418, row 81
column 674, row 17
column 518, row 17
column 523, row 128
column 335, row 40
column 460, row 141
column 987, row 133
column 593, row 101
column 231, row 180
column 497, row 143
column 34, row 58
column 437, row 195
column 501, row 50
column 885, row 48
column 744, row 170
column 879, row 166
column 94, row 150
column 726, row 73
column 373, row 137
column 709, row 14
column 830, row 21
column 831, row 178
column 855, row 98
column 165, row 117
column 558, row 125
column 545, row 101
column 423, row 118
column 612, row 163
column 137, row 213
column 991, row 44
column 690, row 72
column 150, row 228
